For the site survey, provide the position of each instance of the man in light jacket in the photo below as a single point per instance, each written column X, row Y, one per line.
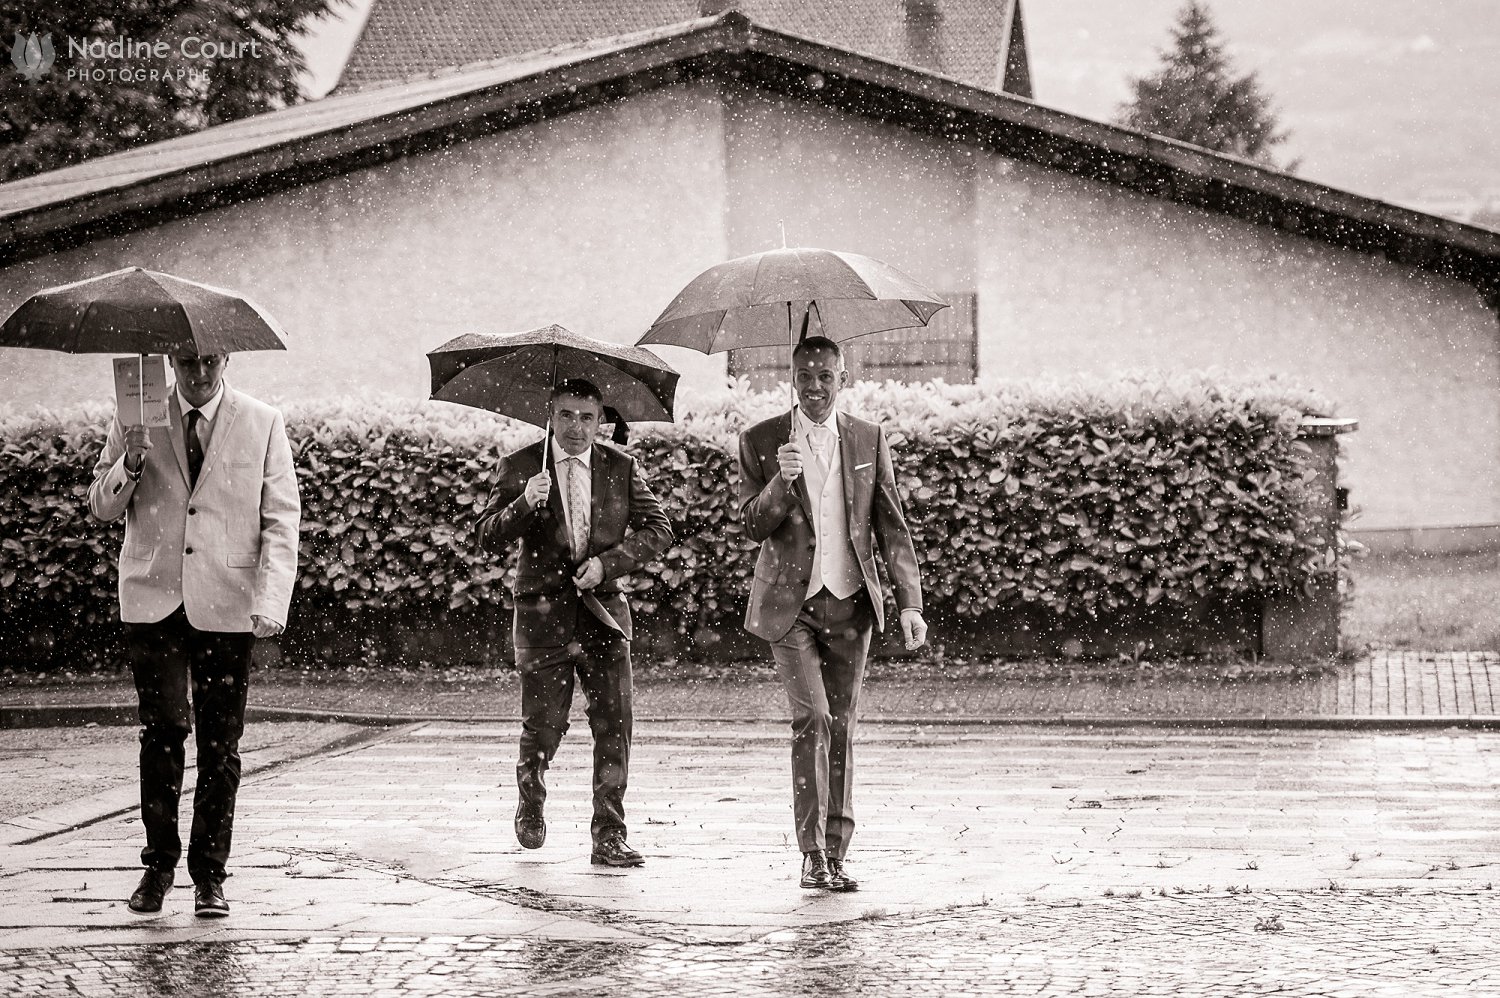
column 210, row 554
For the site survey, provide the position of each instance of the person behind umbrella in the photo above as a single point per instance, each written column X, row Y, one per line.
column 210, row 554
column 818, row 491
column 585, row 517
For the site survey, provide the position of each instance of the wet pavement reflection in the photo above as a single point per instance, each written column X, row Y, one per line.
column 1179, row 944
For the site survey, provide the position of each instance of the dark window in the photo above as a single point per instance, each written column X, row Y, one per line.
column 945, row 348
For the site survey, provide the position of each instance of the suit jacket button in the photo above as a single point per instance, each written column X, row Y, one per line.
column 192, row 511
column 187, row 551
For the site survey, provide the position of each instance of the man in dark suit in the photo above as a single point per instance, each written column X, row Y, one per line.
column 211, row 513
column 585, row 517
column 818, row 491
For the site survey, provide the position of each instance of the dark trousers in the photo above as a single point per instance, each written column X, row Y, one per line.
column 821, row 661
column 168, row 658
column 601, row 661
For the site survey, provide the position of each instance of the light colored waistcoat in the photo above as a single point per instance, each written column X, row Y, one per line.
column 835, row 566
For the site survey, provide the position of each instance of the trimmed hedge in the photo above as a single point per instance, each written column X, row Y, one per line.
column 1075, row 499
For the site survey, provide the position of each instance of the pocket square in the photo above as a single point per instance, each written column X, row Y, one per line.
column 862, row 467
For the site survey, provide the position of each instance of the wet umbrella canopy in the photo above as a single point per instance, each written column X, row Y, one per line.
column 513, row 373
column 142, row 312
column 782, row 296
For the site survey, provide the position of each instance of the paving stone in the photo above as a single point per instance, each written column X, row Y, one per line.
column 1020, row 860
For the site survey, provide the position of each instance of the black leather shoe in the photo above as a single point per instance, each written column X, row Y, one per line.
column 149, row 892
column 612, row 851
column 838, row 877
column 208, row 900
column 815, row 870
column 531, row 827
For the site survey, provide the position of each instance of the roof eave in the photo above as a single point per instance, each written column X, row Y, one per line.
column 732, row 47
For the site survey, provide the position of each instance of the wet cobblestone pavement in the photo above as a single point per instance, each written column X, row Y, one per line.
column 1033, row 861
column 1252, row 944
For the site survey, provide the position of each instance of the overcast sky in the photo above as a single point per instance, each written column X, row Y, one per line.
column 1390, row 98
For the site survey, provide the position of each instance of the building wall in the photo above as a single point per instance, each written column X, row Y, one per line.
column 592, row 221
column 597, row 219
column 1073, row 275
column 850, row 184
column 1077, row 276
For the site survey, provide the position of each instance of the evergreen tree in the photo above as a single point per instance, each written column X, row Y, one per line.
column 1196, row 97
column 176, row 66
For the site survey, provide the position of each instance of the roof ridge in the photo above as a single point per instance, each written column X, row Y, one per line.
column 562, row 48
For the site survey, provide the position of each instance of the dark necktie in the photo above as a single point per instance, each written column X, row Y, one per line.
column 194, row 446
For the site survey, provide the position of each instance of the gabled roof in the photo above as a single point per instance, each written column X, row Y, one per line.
column 256, row 156
column 970, row 39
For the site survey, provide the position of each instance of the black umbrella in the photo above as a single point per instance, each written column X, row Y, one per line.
column 141, row 312
column 513, row 374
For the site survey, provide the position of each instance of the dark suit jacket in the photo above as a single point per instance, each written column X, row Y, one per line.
column 627, row 529
column 780, row 518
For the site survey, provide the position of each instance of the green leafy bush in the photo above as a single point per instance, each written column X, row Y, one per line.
column 1072, row 499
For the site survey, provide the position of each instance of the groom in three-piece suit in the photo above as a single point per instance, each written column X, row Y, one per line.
column 818, row 491
column 585, row 517
column 210, row 554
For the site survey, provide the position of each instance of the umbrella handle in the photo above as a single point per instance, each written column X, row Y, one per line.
column 547, row 443
column 791, row 380
column 140, row 374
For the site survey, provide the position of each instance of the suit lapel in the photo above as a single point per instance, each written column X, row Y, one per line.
column 849, row 451
column 598, row 488
column 555, row 500
column 229, row 408
column 174, row 431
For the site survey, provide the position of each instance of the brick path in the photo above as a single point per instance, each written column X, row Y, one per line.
column 1028, row 860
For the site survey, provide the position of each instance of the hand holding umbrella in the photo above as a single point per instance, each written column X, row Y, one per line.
column 538, row 488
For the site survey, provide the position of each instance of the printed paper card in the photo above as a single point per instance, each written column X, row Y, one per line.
column 136, row 407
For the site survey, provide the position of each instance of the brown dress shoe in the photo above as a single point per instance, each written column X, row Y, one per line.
column 838, row 876
column 612, row 851
column 815, row 870
column 150, row 891
column 208, row 899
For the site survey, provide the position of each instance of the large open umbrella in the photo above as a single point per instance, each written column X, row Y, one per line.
column 762, row 299
column 782, row 296
column 141, row 312
column 513, row 373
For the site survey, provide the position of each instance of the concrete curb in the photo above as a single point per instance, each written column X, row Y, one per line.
column 79, row 715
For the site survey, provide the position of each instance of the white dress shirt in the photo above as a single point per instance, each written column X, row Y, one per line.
column 209, row 411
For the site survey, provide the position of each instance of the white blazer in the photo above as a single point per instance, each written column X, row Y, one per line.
column 225, row 549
